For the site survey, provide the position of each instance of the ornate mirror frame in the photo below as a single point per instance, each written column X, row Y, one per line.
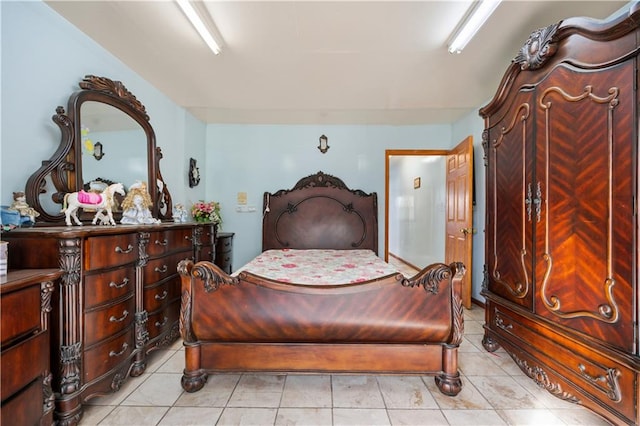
column 64, row 170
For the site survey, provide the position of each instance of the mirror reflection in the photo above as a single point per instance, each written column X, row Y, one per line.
column 123, row 142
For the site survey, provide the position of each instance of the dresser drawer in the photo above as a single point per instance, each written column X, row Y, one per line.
column 24, row 408
column 20, row 313
column 105, row 322
column 161, row 322
column 23, row 363
column 157, row 296
column 110, row 251
column 608, row 381
column 159, row 269
column 171, row 240
column 108, row 354
column 107, row 286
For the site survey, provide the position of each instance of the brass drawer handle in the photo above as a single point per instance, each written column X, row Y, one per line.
column 162, row 243
column 124, row 348
column 115, row 285
column 161, row 324
column 162, row 296
column 129, row 249
column 124, row 315
column 163, row 269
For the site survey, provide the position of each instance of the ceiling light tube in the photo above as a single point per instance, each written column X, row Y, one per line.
column 199, row 25
column 469, row 26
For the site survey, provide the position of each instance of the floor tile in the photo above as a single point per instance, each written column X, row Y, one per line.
column 417, row 417
column 356, row 392
column 505, row 392
column 304, row 416
column 307, row 391
column 247, row 416
column 215, row 393
column 530, row 417
column 128, row 416
column 160, row 389
column 360, row 417
column 191, row 416
column 258, row 390
column 405, row 392
column 473, row 418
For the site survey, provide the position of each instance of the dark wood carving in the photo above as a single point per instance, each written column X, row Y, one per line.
column 64, row 169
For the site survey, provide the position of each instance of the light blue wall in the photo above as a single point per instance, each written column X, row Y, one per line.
column 259, row 158
column 43, row 59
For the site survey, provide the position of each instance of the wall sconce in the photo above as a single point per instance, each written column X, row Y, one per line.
column 97, row 151
column 323, row 146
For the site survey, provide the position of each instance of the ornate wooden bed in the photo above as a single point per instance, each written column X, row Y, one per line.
column 391, row 324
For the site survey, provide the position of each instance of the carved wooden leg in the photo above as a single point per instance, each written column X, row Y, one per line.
column 489, row 343
column 193, row 381
column 449, row 381
column 449, row 384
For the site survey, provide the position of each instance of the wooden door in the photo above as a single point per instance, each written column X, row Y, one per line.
column 511, row 206
column 584, row 228
column 459, row 211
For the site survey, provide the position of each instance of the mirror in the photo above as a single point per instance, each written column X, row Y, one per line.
column 106, row 137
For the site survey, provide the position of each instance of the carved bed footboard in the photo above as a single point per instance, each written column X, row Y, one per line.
column 391, row 324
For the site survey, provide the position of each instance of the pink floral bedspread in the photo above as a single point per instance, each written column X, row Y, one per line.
column 317, row 266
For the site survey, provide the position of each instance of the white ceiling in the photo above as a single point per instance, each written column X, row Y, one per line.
column 320, row 62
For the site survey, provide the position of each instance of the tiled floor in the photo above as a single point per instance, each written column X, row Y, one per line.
column 495, row 392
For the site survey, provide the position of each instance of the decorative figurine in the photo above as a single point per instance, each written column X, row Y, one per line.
column 27, row 213
column 136, row 206
column 90, row 200
column 180, row 214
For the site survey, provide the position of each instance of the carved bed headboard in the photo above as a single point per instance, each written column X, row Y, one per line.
column 320, row 212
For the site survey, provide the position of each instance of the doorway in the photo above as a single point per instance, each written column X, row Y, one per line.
column 428, row 207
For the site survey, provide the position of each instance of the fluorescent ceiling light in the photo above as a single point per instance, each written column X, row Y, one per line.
column 199, row 25
column 469, row 26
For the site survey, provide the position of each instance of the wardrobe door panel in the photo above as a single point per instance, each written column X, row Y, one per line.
column 509, row 213
column 584, row 166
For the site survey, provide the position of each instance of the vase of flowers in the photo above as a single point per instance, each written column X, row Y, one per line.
column 206, row 212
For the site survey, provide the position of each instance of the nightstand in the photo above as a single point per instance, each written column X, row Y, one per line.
column 224, row 251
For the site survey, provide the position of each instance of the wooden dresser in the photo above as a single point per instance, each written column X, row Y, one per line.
column 25, row 306
column 562, row 263
column 223, row 256
column 118, row 299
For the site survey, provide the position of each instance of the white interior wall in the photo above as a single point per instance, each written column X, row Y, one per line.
column 417, row 215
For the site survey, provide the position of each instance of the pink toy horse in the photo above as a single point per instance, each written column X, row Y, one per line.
column 99, row 202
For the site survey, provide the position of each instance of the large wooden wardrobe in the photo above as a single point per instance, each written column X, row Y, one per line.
column 561, row 154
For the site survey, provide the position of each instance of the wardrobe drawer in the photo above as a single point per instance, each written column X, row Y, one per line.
column 20, row 313
column 107, row 355
column 171, row 240
column 608, row 381
column 157, row 296
column 110, row 251
column 105, row 322
column 106, row 286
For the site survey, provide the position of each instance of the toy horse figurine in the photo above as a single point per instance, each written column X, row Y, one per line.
column 90, row 200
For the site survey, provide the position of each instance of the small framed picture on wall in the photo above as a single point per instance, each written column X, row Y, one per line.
column 416, row 183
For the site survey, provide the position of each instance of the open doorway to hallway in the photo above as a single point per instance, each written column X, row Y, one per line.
column 428, row 208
